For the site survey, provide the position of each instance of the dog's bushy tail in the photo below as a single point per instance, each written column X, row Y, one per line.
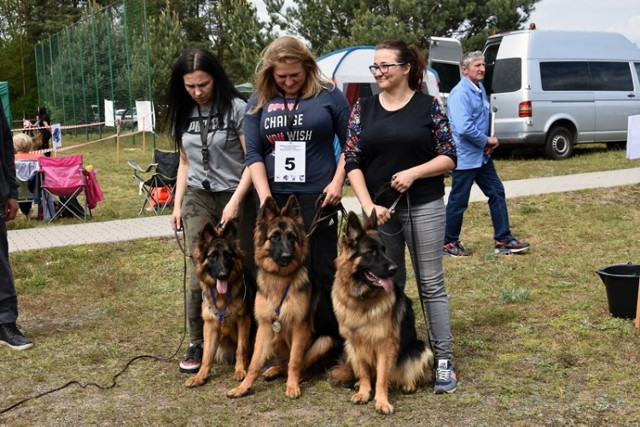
column 342, row 374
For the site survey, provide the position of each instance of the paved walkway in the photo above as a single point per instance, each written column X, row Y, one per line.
column 158, row 226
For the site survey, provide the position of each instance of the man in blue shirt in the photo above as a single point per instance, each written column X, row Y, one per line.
column 470, row 116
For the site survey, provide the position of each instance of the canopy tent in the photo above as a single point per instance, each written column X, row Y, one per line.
column 348, row 68
column 4, row 94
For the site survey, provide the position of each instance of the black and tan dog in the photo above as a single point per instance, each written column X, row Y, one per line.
column 376, row 319
column 227, row 301
column 284, row 304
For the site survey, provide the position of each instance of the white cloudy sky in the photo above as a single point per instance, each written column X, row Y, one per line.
column 622, row 16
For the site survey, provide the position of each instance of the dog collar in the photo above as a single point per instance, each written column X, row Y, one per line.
column 284, row 295
column 220, row 315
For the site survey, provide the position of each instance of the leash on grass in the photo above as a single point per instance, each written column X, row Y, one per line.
column 416, row 265
column 126, row 366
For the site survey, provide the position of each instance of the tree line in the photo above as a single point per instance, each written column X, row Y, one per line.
column 237, row 34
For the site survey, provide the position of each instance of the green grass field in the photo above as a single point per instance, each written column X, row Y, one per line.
column 534, row 343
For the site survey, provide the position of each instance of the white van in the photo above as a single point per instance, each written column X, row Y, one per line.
column 555, row 89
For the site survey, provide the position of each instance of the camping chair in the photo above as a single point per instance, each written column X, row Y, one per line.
column 64, row 177
column 161, row 174
column 26, row 172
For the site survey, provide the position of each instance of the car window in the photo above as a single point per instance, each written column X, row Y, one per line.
column 559, row 75
column 507, row 75
column 612, row 76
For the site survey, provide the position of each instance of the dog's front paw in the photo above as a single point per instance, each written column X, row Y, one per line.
column 293, row 391
column 237, row 392
column 361, row 398
column 384, row 407
column 239, row 374
column 194, row 381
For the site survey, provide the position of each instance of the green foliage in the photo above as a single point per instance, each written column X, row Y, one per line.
column 513, row 295
column 333, row 24
column 240, row 39
column 105, row 53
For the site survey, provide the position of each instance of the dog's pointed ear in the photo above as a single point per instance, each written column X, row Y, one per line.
column 208, row 233
column 292, row 208
column 353, row 228
column 372, row 222
column 230, row 230
column 268, row 210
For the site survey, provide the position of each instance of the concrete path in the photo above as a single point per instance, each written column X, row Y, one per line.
column 158, row 226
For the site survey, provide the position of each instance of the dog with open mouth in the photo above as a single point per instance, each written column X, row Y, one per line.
column 376, row 320
column 227, row 301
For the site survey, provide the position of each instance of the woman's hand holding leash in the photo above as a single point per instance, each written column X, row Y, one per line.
column 402, row 181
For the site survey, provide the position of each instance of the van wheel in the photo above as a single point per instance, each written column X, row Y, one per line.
column 559, row 145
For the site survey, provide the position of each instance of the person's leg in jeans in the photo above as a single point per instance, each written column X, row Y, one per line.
column 427, row 227
column 461, row 183
column 490, row 184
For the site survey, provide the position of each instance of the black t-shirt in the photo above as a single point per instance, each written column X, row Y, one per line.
column 392, row 141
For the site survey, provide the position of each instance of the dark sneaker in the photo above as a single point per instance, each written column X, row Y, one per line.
column 511, row 247
column 11, row 336
column 191, row 362
column 455, row 249
column 446, row 380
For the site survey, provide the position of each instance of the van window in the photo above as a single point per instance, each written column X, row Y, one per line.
column 565, row 76
column 611, row 76
column 449, row 75
column 507, row 75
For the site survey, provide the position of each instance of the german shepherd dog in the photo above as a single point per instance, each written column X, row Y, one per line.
column 284, row 306
column 227, row 301
column 376, row 319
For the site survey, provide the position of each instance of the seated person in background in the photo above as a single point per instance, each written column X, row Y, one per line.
column 26, row 169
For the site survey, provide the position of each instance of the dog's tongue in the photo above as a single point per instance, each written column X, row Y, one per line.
column 221, row 286
column 387, row 284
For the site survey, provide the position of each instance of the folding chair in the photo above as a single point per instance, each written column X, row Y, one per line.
column 64, row 177
column 163, row 172
column 26, row 172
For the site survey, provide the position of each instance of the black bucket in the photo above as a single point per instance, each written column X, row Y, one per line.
column 621, row 283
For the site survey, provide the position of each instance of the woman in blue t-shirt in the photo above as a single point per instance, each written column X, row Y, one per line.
column 292, row 122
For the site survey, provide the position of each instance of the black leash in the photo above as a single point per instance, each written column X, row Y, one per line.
column 126, row 366
column 329, row 211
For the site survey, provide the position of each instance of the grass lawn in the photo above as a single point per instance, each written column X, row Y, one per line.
column 533, row 340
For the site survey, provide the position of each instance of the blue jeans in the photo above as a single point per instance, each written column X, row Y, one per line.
column 489, row 182
column 426, row 253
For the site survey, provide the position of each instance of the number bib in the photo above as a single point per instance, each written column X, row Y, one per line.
column 290, row 161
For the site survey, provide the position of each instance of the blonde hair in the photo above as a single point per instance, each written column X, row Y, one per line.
column 22, row 143
column 286, row 50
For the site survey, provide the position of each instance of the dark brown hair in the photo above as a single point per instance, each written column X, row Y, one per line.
column 411, row 55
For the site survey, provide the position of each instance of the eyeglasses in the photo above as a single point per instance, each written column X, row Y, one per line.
column 383, row 68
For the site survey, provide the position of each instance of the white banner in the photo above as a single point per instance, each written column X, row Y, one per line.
column 145, row 115
column 56, row 135
column 109, row 119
